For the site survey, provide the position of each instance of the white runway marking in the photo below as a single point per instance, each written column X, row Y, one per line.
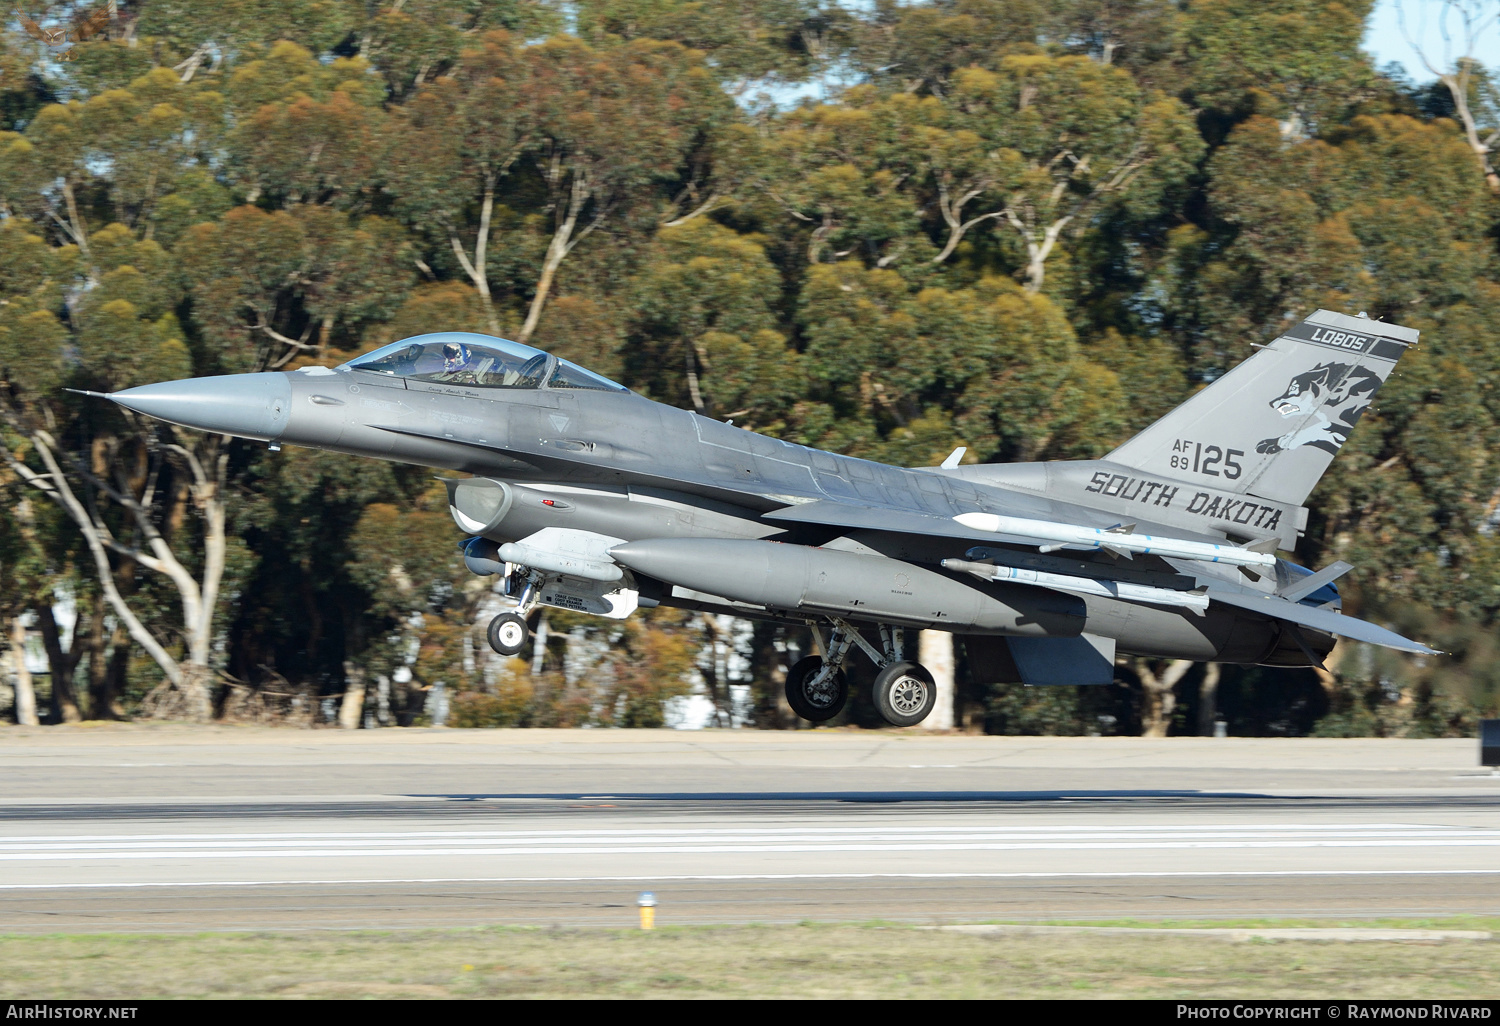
column 729, row 877
column 495, row 843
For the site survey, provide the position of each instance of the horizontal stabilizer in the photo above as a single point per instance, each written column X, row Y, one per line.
column 1319, row 619
column 1085, row 659
column 1303, row 587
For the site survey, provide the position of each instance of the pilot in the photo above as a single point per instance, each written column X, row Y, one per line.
column 457, row 364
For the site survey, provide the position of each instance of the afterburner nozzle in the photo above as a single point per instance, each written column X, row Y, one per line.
column 246, row 405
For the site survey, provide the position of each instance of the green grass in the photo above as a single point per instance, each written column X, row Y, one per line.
column 1491, row 923
column 805, row 960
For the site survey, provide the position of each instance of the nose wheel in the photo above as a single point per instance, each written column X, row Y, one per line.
column 508, row 633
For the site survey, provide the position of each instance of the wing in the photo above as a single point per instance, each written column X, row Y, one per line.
column 91, row 24
column 32, row 28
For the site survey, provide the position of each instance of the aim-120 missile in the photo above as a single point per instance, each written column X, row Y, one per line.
column 1051, row 535
column 1196, row 602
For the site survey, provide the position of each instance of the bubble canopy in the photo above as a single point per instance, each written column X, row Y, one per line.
column 482, row 361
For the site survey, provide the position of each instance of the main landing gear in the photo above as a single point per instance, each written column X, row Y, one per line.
column 508, row 632
column 904, row 690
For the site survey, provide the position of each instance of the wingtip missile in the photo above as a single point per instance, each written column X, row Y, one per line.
column 1049, row 536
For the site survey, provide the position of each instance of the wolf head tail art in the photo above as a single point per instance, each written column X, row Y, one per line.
column 1334, row 395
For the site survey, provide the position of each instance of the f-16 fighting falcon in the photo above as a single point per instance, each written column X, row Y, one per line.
column 587, row 496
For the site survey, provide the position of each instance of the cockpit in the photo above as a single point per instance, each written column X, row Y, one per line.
column 478, row 361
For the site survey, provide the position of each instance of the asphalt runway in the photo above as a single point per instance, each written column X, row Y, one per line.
column 146, row 829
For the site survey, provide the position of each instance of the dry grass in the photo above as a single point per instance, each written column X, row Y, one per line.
column 826, row 961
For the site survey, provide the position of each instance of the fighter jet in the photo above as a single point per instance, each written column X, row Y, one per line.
column 585, row 495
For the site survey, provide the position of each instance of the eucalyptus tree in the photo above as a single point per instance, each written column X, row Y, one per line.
column 1078, row 135
column 450, row 146
column 1296, row 60
column 616, row 127
column 1472, row 87
column 704, row 302
column 95, row 305
column 269, row 288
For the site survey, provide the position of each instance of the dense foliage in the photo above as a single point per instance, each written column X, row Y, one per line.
column 1025, row 226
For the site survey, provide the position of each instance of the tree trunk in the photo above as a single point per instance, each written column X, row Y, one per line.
column 103, row 703
column 1208, row 700
column 476, row 269
column 25, row 693
column 196, row 694
column 935, row 651
column 115, row 680
column 55, row 484
column 383, row 700
column 353, row 705
column 539, row 645
column 1458, row 89
column 1037, row 249
column 562, row 243
column 1159, row 700
column 64, row 702
column 769, row 663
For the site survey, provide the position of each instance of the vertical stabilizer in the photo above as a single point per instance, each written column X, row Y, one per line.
column 1271, row 425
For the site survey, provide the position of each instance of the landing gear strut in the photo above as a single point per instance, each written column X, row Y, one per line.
column 815, row 686
column 904, row 691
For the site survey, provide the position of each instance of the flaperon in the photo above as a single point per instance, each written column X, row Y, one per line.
column 587, row 496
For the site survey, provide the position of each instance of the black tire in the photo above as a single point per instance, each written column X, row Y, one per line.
column 904, row 694
column 826, row 702
column 508, row 634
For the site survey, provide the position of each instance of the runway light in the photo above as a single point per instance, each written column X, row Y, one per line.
column 647, row 902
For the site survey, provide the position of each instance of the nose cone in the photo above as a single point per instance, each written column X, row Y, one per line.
column 247, row 405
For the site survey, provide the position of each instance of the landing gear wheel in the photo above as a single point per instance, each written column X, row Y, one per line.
column 904, row 694
column 508, row 633
column 818, row 703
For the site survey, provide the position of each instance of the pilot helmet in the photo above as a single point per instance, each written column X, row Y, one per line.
column 455, row 355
